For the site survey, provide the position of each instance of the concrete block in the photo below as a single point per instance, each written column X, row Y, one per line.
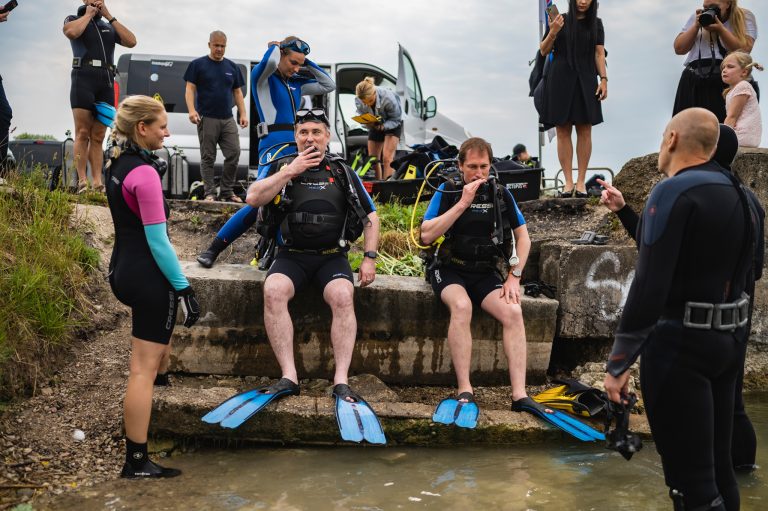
column 592, row 285
column 307, row 420
column 400, row 335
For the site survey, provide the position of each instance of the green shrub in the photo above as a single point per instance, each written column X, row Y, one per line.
column 33, row 136
column 44, row 265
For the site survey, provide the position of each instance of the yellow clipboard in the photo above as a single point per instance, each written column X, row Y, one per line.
column 366, row 118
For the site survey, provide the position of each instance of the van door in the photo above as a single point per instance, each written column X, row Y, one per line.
column 411, row 99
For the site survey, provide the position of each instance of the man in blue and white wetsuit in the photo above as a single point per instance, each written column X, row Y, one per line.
column 277, row 89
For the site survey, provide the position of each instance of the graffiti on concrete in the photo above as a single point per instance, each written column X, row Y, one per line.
column 605, row 277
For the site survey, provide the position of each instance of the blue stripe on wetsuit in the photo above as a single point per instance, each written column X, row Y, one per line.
column 362, row 189
column 433, row 210
column 165, row 255
column 516, row 216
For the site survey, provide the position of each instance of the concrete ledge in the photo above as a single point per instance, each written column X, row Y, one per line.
column 401, row 332
column 303, row 420
column 592, row 285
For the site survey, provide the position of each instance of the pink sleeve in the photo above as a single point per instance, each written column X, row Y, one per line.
column 143, row 193
column 743, row 88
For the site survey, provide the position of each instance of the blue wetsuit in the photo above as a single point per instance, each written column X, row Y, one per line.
column 277, row 100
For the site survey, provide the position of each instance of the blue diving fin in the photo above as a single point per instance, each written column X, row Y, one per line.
column 357, row 420
column 570, row 425
column 453, row 411
column 238, row 409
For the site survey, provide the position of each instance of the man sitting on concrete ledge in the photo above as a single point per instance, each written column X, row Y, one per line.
column 480, row 223
column 318, row 209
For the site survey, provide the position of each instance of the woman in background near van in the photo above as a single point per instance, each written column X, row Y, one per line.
column 573, row 94
column 707, row 40
column 93, row 33
column 383, row 135
column 144, row 272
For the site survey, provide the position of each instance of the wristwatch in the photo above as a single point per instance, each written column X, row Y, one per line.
column 517, row 273
column 112, row 21
column 372, row 254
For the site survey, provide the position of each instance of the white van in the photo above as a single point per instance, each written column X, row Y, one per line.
column 163, row 76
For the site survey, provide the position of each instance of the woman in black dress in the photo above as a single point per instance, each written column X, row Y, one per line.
column 572, row 93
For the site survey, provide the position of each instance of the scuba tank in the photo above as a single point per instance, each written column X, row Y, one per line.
column 165, row 154
column 179, row 178
column 68, row 179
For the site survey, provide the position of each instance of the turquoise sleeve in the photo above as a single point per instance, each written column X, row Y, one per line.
column 165, row 255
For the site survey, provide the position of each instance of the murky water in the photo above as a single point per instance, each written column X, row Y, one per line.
column 556, row 476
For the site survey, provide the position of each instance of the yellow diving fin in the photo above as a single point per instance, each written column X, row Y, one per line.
column 574, row 397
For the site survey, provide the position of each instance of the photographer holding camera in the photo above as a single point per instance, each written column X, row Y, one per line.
column 93, row 33
column 712, row 32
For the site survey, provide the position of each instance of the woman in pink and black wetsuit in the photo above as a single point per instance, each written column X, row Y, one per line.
column 144, row 271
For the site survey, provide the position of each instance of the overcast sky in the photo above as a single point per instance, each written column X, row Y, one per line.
column 472, row 55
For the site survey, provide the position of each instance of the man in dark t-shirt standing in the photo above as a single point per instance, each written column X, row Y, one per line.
column 213, row 82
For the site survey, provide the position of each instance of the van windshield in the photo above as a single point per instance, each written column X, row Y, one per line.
column 163, row 79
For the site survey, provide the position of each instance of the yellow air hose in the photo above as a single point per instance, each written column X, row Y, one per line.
column 435, row 166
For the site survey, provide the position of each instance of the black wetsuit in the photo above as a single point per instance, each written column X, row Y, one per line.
column 310, row 229
column 694, row 243
column 469, row 256
column 744, row 441
column 5, row 123
column 135, row 273
column 93, row 71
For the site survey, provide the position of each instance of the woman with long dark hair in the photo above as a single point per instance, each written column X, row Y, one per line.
column 709, row 35
column 572, row 93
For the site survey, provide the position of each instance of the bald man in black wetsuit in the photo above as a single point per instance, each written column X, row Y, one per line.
column 744, row 440
column 687, row 313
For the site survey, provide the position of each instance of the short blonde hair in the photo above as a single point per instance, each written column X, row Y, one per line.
column 366, row 88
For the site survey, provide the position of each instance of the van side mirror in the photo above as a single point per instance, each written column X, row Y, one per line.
column 431, row 107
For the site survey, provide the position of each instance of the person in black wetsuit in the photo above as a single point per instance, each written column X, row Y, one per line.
column 744, row 441
column 687, row 311
column 144, row 272
column 93, row 33
column 5, row 116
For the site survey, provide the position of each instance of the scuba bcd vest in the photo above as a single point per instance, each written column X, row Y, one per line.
column 318, row 210
column 481, row 237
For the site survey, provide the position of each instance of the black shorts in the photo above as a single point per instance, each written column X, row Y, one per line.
column 91, row 85
column 378, row 136
column 320, row 269
column 477, row 284
column 152, row 301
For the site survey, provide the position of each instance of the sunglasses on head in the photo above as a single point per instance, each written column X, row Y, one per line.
column 313, row 114
column 296, row 45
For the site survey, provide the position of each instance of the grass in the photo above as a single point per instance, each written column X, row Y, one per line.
column 44, row 266
column 397, row 254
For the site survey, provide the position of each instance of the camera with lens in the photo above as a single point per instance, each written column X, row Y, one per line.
column 709, row 15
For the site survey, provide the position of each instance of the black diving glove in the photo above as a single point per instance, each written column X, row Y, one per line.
column 190, row 307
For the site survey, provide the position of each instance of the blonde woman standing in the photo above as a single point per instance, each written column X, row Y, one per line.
column 384, row 134
column 144, row 272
